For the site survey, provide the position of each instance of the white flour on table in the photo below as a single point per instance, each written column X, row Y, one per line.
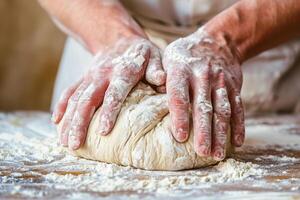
column 33, row 165
column 30, row 150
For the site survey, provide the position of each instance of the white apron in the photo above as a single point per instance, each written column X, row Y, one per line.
column 270, row 79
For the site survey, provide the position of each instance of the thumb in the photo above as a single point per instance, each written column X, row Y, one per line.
column 155, row 73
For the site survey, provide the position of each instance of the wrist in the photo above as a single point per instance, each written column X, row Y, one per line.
column 108, row 39
column 235, row 27
column 252, row 26
column 107, row 28
column 118, row 43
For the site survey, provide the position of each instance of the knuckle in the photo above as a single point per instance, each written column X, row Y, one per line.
column 112, row 102
column 178, row 75
column 175, row 53
column 76, row 96
column 178, row 102
column 222, row 105
column 201, row 72
column 203, row 138
column 169, row 49
column 180, row 118
column 205, row 130
column 115, row 106
column 238, row 99
column 220, row 127
column 203, row 76
column 178, row 92
column 224, row 110
column 118, row 88
column 218, row 71
column 90, row 96
column 133, row 59
column 68, row 117
column 87, row 101
column 111, row 107
column 181, row 122
column 239, row 111
column 204, row 106
column 73, row 100
column 75, row 130
column 238, row 106
column 221, row 136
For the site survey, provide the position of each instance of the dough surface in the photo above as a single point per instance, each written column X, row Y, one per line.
column 142, row 137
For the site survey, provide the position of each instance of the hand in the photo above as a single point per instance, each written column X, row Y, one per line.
column 210, row 69
column 113, row 74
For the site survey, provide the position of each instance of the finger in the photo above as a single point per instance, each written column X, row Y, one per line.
column 115, row 95
column 154, row 71
column 221, row 118
column 178, row 102
column 61, row 106
column 237, row 120
column 69, row 114
column 202, row 112
column 129, row 71
column 90, row 99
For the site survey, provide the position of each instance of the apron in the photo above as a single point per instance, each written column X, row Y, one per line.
column 270, row 79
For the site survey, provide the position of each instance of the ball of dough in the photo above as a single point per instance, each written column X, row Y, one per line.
column 142, row 137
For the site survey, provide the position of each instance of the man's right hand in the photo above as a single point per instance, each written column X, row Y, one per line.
column 107, row 83
column 123, row 55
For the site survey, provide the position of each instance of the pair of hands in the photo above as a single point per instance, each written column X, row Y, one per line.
column 198, row 70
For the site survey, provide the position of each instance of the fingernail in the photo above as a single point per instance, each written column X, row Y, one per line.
column 103, row 131
column 219, row 155
column 203, row 151
column 54, row 117
column 161, row 77
column 181, row 135
column 239, row 140
column 104, row 126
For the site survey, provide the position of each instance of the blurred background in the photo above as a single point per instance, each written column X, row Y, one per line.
column 30, row 51
column 31, row 47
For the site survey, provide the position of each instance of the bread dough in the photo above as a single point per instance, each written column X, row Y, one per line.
column 142, row 137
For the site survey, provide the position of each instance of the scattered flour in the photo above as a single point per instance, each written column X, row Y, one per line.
column 109, row 177
column 30, row 155
column 282, row 159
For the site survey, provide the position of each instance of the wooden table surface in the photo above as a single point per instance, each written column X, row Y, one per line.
column 272, row 144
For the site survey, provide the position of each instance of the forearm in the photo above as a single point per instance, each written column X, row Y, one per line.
column 95, row 23
column 252, row 26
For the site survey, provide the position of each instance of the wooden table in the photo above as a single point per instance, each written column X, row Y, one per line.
column 31, row 166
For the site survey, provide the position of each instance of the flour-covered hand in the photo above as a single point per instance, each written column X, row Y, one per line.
column 206, row 69
column 113, row 74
